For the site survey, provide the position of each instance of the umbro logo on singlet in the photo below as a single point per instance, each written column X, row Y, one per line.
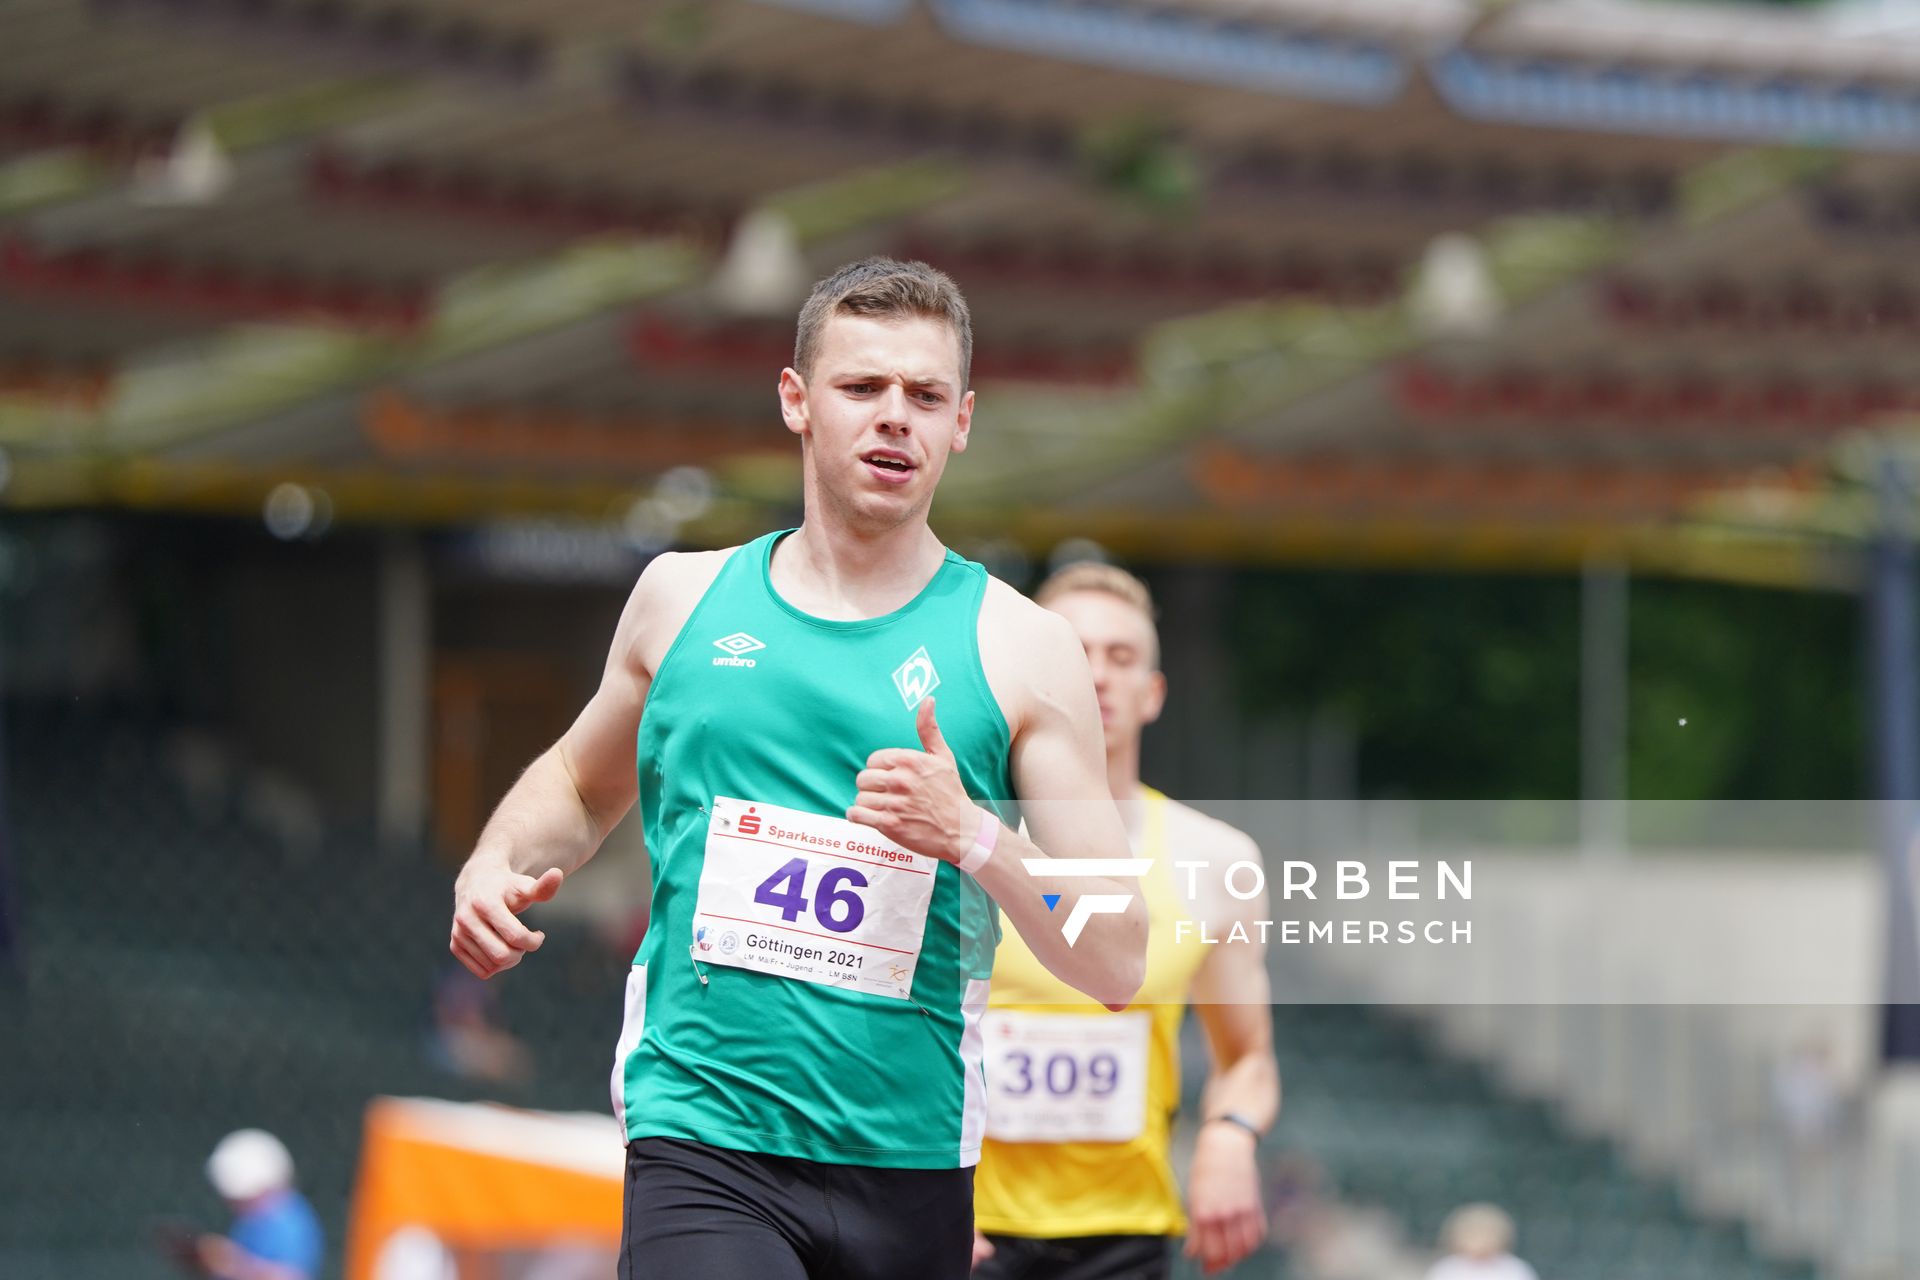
column 736, row 645
column 915, row 678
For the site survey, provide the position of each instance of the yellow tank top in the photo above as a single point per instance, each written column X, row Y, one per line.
column 1059, row 1189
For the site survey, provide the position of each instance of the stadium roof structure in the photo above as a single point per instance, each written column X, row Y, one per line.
column 1418, row 280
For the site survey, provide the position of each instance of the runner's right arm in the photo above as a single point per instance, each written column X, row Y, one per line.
column 554, row 818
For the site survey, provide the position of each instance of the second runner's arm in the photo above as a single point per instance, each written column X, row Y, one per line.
column 1232, row 998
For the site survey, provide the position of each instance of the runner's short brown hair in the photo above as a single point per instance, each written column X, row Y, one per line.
column 888, row 289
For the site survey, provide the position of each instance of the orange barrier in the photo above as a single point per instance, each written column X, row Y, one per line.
column 483, row 1178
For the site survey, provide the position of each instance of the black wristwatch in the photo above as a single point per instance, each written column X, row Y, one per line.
column 1235, row 1118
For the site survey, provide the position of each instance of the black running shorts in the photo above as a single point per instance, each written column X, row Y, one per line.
column 700, row 1211
column 1078, row 1258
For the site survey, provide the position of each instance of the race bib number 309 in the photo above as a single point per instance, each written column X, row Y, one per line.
column 812, row 898
column 1064, row 1077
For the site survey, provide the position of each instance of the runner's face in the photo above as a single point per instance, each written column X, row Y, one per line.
column 880, row 413
column 1124, row 653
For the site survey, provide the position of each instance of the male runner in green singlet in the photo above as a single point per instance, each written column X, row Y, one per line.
column 799, row 1072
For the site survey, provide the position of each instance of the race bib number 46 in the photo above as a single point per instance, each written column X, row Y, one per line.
column 1063, row 1077
column 817, row 899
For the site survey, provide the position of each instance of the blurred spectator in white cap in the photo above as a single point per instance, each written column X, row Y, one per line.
column 275, row 1235
column 1478, row 1239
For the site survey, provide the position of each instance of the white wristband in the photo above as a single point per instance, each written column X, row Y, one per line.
column 982, row 844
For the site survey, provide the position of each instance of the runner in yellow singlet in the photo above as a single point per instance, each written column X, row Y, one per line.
column 1076, row 1181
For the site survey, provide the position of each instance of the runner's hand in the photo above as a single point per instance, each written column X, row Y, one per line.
column 982, row 1249
column 1223, row 1198
column 488, row 937
column 915, row 798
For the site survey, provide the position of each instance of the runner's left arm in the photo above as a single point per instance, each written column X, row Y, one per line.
column 916, row 799
column 1232, row 997
column 1060, row 778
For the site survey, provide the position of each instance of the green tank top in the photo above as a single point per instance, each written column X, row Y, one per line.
column 758, row 701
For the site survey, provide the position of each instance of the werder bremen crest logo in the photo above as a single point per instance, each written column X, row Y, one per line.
column 915, row 678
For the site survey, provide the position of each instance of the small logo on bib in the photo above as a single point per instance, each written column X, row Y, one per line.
column 915, row 678
column 735, row 646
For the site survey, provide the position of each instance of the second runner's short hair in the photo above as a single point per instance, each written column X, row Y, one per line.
column 1091, row 575
column 1108, row 579
column 888, row 289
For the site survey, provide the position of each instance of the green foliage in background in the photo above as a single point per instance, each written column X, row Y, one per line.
column 1469, row 687
column 1773, row 687
column 1457, row 687
column 1139, row 160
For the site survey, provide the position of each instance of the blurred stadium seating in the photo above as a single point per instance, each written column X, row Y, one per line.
column 188, row 974
column 1400, row 1125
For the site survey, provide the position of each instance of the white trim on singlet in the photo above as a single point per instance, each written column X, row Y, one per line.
column 973, row 1069
column 632, row 1023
